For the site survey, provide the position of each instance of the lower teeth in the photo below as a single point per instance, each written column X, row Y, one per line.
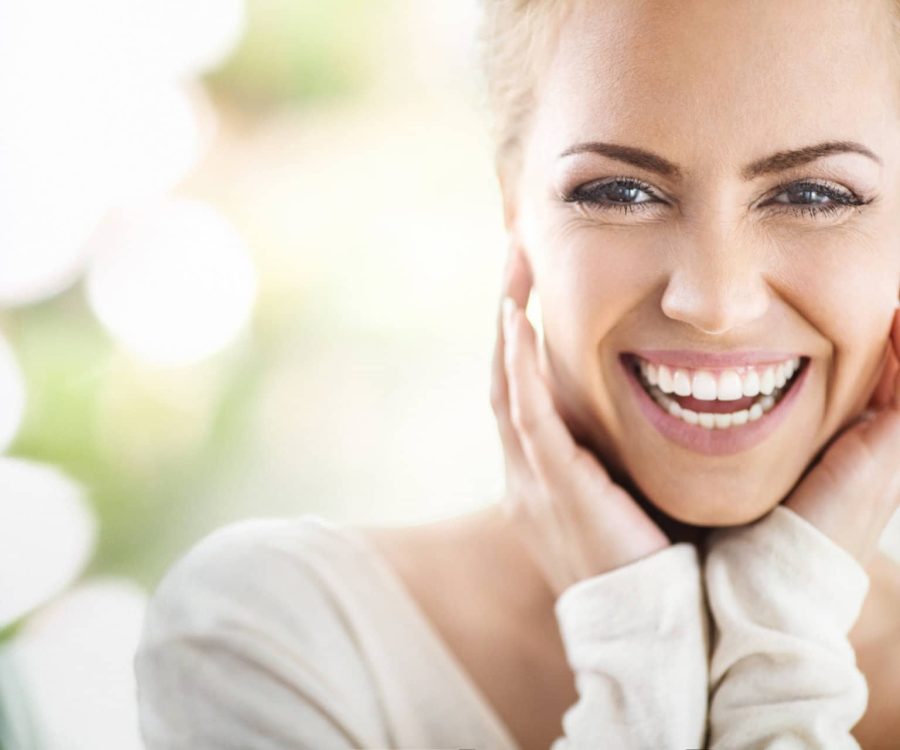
column 710, row 421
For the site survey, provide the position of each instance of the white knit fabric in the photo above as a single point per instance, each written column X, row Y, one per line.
column 295, row 634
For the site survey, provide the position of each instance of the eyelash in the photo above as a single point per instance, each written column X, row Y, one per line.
column 840, row 200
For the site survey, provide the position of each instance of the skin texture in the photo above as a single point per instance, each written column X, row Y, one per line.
column 702, row 264
column 712, row 262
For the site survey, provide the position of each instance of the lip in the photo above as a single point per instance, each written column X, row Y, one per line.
column 695, row 360
column 715, row 442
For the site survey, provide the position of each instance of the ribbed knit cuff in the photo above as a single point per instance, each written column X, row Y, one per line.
column 823, row 577
column 649, row 595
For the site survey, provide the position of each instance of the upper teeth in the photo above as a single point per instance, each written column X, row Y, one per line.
column 723, row 385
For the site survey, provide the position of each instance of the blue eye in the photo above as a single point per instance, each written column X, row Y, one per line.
column 837, row 200
column 624, row 194
column 614, row 194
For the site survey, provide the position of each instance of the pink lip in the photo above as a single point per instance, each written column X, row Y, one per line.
column 710, row 360
column 714, row 442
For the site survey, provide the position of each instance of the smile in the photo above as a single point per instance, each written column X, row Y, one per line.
column 715, row 410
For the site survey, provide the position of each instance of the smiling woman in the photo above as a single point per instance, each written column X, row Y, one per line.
column 700, row 452
column 758, row 211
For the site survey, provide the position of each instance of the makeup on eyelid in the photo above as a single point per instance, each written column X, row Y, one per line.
column 593, row 196
column 847, row 182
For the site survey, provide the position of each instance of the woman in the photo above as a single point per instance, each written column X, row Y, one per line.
column 703, row 196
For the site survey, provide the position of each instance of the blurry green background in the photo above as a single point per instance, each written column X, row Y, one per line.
column 351, row 154
column 343, row 148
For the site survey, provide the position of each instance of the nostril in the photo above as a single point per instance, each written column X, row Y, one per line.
column 713, row 304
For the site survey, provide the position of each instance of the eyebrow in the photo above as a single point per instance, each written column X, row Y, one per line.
column 777, row 162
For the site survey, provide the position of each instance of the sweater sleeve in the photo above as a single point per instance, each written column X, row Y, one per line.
column 783, row 674
column 241, row 649
column 635, row 638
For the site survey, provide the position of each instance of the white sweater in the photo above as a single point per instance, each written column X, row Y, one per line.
column 295, row 634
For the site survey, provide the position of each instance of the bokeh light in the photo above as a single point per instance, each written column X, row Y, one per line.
column 12, row 395
column 47, row 529
column 160, row 138
column 198, row 34
column 55, row 184
column 172, row 282
column 95, row 114
column 74, row 659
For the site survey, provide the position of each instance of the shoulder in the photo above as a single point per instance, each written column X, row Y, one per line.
column 246, row 635
column 250, row 640
column 261, row 595
column 263, row 574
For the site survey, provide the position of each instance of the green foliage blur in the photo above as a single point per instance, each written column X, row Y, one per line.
column 302, row 52
column 107, row 420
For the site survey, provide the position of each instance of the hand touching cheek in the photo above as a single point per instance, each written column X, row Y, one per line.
column 576, row 521
column 854, row 490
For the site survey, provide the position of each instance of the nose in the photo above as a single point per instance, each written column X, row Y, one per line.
column 716, row 286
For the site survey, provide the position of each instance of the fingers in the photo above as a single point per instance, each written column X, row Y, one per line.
column 574, row 519
column 885, row 394
column 548, row 445
column 895, row 344
column 851, row 494
column 516, row 283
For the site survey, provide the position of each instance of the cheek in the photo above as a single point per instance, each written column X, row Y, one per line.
column 589, row 281
column 843, row 285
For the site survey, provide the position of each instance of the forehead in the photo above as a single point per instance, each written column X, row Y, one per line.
column 712, row 78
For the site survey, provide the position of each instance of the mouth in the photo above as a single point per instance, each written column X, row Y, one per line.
column 716, row 410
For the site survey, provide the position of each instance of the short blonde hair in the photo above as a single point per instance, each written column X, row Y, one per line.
column 515, row 38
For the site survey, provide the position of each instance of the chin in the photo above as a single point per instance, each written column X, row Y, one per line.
column 710, row 500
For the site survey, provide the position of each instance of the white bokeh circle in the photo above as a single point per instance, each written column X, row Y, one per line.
column 12, row 395
column 74, row 662
column 159, row 137
column 55, row 182
column 191, row 37
column 113, row 124
column 47, row 535
column 173, row 282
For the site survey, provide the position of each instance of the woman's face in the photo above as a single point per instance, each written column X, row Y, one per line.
column 718, row 238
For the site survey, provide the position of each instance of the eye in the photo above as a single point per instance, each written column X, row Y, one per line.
column 811, row 198
column 815, row 199
column 618, row 194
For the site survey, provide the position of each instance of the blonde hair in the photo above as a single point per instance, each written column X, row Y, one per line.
column 515, row 38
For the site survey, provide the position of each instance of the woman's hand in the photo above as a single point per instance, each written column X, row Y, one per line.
column 570, row 515
column 851, row 494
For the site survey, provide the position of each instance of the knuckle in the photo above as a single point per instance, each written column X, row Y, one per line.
column 524, row 420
